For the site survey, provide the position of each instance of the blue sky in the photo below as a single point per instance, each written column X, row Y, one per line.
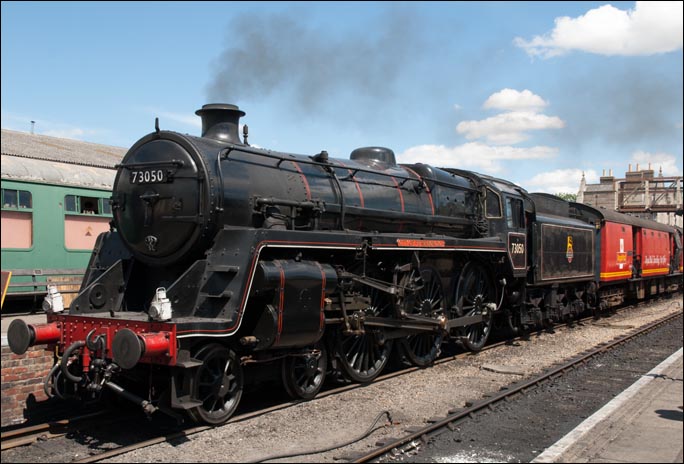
column 532, row 92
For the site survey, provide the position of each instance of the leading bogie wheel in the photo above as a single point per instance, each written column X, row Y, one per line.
column 217, row 383
column 303, row 373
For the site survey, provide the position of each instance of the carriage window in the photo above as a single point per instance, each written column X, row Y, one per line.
column 89, row 205
column 106, row 206
column 25, row 199
column 70, row 203
column 493, row 204
column 17, row 219
column 75, row 204
column 514, row 213
column 14, row 199
column 9, row 198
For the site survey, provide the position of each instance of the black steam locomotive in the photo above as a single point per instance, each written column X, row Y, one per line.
column 221, row 254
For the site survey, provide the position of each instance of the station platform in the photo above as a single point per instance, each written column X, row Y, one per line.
column 642, row 424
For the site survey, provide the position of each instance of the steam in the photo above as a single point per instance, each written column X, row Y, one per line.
column 624, row 107
column 281, row 53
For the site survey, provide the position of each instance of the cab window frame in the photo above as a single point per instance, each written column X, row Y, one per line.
column 515, row 213
column 488, row 215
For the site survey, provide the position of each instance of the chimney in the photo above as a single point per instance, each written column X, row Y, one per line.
column 33, row 124
column 220, row 121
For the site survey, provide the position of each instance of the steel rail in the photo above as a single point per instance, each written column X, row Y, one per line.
column 517, row 388
column 29, row 434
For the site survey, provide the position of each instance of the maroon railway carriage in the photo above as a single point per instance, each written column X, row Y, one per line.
column 636, row 257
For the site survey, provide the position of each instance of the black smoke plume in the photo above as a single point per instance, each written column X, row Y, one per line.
column 268, row 53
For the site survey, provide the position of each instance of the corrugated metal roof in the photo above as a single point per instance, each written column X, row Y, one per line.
column 51, row 172
column 25, row 145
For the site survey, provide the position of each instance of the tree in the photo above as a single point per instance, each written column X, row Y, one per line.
column 567, row 196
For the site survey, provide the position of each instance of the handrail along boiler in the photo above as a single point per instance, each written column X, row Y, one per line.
column 221, row 254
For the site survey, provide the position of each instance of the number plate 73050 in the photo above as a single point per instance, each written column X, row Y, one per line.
column 148, row 176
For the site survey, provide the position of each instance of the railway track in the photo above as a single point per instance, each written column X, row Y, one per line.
column 42, row 432
column 455, row 417
column 45, row 431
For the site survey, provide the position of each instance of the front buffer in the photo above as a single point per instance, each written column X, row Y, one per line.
column 94, row 350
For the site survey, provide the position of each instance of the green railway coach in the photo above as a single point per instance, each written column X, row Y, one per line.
column 55, row 202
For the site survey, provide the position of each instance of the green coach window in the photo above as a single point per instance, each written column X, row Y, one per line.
column 106, row 206
column 25, row 199
column 70, row 203
column 85, row 217
column 76, row 204
column 17, row 219
column 16, row 199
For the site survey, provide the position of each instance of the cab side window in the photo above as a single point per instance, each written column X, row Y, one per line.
column 492, row 204
column 515, row 215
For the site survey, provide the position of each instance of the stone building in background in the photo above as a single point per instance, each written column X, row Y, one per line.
column 640, row 193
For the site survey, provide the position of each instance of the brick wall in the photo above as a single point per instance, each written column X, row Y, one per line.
column 22, row 382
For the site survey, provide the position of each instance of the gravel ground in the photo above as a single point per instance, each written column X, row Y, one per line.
column 518, row 430
column 411, row 400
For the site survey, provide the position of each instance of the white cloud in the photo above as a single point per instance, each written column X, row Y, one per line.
column 669, row 163
column 474, row 155
column 508, row 128
column 511, row 99
column 560, row 181
column 649, row 28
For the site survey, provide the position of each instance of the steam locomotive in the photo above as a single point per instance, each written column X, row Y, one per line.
column 221, row 254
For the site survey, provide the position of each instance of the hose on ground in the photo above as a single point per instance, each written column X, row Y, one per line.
column 370, row 430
